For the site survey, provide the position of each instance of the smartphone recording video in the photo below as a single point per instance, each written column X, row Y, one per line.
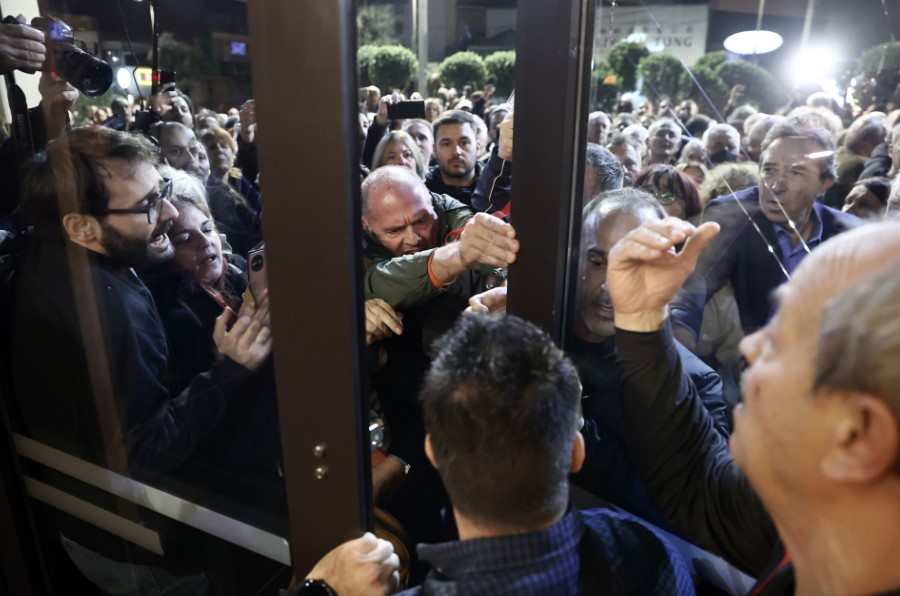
column 406, row 109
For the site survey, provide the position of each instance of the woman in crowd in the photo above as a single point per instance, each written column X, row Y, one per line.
column 191, row 291
column 727, row 178
column 423, row 135
column 233, row 201
column 222, row 150
column 201, row 281
column 676, row 192
column 399, row 149
column 433, row 109
column 868, row 198
column 694, row 169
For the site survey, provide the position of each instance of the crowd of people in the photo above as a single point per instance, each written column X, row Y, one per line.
column 736, row 288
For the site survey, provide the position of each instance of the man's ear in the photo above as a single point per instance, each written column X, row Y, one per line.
column 828, row 183
column 577, row 452
column 428, row 452
column 81, row 229
column 365, row 224
column 865, row 442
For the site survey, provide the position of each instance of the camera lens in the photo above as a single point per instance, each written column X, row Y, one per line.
column 86, row 73
column 256, row 262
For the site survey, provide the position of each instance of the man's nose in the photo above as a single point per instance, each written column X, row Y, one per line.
column 168, row 212
column 412, row 237
column 776, row 180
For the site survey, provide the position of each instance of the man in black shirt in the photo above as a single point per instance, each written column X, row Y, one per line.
column 455, row 150
column 806, row 498
column 91, row 361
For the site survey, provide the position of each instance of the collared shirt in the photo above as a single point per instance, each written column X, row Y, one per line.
column 792, row 255
column 619, row 553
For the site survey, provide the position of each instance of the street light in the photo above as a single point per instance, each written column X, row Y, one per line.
column 748, row 43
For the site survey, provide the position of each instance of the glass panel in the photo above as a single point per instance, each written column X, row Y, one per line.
column 458, row 59
column 143, row 365
column 682, row 96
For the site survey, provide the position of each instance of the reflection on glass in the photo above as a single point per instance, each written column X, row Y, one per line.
column 686, row 119
column 142, row 337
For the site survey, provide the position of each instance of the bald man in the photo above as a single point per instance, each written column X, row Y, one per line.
column 807, row 498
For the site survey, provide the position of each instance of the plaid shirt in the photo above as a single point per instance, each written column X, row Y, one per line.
column 622, row 556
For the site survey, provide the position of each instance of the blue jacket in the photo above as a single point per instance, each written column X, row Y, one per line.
column 739, row 255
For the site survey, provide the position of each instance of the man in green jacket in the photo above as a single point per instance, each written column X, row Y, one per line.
column 408, row 231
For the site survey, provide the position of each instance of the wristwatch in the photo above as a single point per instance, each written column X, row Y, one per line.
column 315, row 587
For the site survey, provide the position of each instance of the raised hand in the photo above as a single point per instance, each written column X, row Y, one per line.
column 494, row 300
column 249, row 341
column 488, row 240
column 21, row 47
column 644, row 272
column 505, row 145
column 247, row 115
column 381, row 116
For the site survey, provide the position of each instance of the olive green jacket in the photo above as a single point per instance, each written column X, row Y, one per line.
column 403, row 282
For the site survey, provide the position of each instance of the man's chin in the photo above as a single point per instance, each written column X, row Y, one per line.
column 457, row 173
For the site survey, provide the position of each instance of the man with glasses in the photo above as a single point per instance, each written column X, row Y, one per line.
column 91, row 365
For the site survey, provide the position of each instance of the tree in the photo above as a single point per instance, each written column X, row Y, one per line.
column 188, row 60
column 501, row 67
column 463, row 68
column 762, row 90
column 392, row 68
column 363, row 61
column 878, row 74
column 624, row 58
column 661, row 73
column 376, row 24
column 708, row 84
column 712, row 60
column 608, row 85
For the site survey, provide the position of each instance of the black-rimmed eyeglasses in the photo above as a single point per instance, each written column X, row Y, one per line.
column 153, row 207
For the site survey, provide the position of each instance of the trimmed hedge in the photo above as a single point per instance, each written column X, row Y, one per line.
column 501, row 66
column 608, row 85
column 762, row 90
column 392, row 68
column 463, row 68
column 624, row 58
column 363, row 61
column 710, row 83
column 662, row 73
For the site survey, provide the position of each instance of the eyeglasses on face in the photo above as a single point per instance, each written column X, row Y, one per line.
column 665, row 197
column 153, row 206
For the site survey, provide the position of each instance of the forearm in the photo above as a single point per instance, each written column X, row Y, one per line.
column 447, row 264
column 683, row 461
column 373, row 136
column 247, row 159
column 163, row 432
